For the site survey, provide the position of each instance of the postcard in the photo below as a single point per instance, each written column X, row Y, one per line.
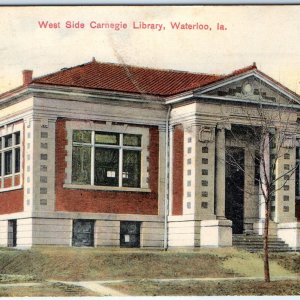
column 149, row 150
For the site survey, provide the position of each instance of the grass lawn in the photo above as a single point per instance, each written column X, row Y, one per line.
column 196, row 288
column 75, row 264
column 289, row 261
column 40, row 264
column 45, row 290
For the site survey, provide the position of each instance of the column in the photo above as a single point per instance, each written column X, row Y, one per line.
column 213, row 233
column 265, row 152
column 220, row 172
column 251, row 189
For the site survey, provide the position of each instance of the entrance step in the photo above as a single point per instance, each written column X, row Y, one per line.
column 255, row 243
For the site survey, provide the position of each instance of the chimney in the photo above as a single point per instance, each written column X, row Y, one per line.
column 27, row 76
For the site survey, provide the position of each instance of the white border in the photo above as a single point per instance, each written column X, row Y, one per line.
column 147, row 2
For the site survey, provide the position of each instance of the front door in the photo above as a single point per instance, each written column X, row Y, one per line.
column 234, row 194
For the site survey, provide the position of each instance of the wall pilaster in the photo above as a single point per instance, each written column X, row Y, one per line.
column 39, row 173
column 30, row 167
column 199, row 171
column 162, row 170
column 283, row 203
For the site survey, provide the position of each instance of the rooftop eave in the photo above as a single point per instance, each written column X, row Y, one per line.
column 81, row 92
column 100, row 94
column 179, row 98
column 14, row 95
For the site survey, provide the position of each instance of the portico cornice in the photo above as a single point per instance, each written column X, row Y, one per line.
column 247, row 101
column 257, row 74
column 195, row 119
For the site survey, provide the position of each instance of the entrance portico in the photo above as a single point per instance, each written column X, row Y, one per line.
column 222, row 149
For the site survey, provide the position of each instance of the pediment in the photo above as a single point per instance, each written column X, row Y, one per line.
column 251, row 89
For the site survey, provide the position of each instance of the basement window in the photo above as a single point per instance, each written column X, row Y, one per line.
column 106, row 158
column 12, row 233
column 130, row 234
column 83, row 233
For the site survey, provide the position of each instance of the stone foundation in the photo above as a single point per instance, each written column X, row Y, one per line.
column 290, row 233
column 59, row 232
column 216, row 233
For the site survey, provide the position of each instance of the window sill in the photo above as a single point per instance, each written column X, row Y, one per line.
column 11, row 175
column 106, row 188
column 12, row 188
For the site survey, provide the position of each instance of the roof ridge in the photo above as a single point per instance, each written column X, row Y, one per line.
column 244, row 69
column 159, row 69
column 94, row 61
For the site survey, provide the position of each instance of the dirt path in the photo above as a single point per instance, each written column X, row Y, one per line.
column 259, row 278
column 20, row 284
column 101, row 288
column 98, row 287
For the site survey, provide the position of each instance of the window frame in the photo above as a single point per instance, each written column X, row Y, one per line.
column 16, row 150
column 109, row 127
column 12, row 148
column 120, row 147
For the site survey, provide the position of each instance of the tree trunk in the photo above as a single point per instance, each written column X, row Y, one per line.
column 266, row 243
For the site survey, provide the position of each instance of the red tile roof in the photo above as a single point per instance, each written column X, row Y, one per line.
column 129, row 79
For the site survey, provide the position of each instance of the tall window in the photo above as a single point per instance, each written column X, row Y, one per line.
column 106, row 158
column 10, row 154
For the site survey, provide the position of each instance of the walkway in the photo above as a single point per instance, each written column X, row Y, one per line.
column 20, row 284
column 100, row 286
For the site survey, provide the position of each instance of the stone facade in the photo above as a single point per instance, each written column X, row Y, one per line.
column 188, row 192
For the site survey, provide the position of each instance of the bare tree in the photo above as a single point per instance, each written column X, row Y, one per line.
column 268, row 132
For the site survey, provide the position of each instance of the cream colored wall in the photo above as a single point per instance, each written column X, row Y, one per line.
column 184, row 233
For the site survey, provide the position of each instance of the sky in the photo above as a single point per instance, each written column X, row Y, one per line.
column 267, row 35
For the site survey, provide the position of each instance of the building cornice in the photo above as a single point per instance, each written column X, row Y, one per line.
column 79, row 93
column 93, row 93
column 53, row 113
